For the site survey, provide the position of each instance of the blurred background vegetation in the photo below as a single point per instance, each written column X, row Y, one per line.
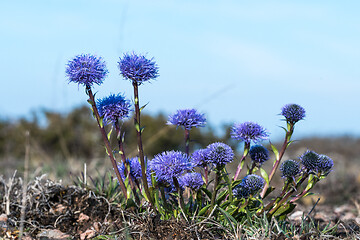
column 61, row 145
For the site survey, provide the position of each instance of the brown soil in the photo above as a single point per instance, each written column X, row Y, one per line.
column 78, row 213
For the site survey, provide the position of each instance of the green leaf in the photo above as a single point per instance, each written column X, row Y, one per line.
column 204, row 210
column 109, row 134
column 276, row 152
column 230, row 219
column 207, row 192
column 284, row 210
column 268, row 191
column 264, row 175
column 137, row 127
column 222, row 196
column 143, row 107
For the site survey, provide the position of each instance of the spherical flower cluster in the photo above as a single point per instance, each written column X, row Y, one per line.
column 249, row 131
column 310, row 160
column 259, row 154
column 191, row 180
column 316, row 163
column 325, row 164
column 250, row 185
column 170, row 164
column 187, row 118
column 290, row 169
column 293, row 113
column 137, row 68
column 199, row 157
column 86, row 69
column 113, row 108
column 135, row 168
column 219, row 154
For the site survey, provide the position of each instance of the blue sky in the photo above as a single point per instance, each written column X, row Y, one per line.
column 235, row 61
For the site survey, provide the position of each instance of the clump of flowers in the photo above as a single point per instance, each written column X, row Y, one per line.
column 86, row 69
column 176, row 183
column 113, row 108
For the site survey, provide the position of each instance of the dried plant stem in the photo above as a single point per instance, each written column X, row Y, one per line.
column 106, row 140
column 24, row 186
column 140, row 146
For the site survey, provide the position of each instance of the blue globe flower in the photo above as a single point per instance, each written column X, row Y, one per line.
column 135, row 168
column 325, row 164
column 191, row 180
column 249, row 132
column 290, row 169
column 187, row 118
column 219, row 154
column 259, row 154
column 113, row 108
column 199, row 157
column 86, row 69
column 137, row 68
column 310, row 160
column 170, row 164
column 316, row 163
column 250, row 185
column 293, row 113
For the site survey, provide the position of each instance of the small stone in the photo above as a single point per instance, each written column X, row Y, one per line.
column 3, row 218
column 83, row 218
column 87, row 234
column 54, row 234
column 296, row 216
column 348, row 216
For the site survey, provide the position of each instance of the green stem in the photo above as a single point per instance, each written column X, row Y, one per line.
column 287, row 139
column 126, row 163
column 181, row 199
column 140, row 146
column 106, row 140
column 187, row 141
column 246, row 151
column 217, row 181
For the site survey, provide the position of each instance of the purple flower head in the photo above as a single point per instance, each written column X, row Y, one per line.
column 86, row 69
column 170, row 164
column 293, row 113
column 325, row 164
column 290, row 169
column 249, row 131
column 199, row 157
column 250, row 185
column 191, row 180
column 135, row 168
column 187, row 118
column 113, row 108
column 219, row 154
column 259, row 154
column 137, row 68
column 310, row 160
